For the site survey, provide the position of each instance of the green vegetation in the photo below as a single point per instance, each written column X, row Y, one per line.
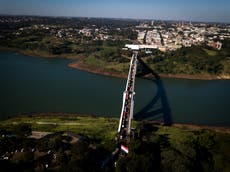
column 108, row 56
column 211, row 52
column 97, row 45
column 103, row 128
column 192, row 60
column 50, row 37
column 105, row 55
column 164, row 148
column 88, row 142
column 155, row 147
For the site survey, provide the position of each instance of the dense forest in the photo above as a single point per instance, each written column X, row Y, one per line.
column 192, row 60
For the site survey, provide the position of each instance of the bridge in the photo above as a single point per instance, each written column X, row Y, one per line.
column 124, row 128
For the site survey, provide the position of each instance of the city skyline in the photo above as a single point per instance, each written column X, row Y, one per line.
column 196, row 10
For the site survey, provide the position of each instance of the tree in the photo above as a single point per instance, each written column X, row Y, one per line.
column 22, row 129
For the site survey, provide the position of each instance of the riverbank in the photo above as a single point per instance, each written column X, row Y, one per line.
column 51, row 122
column 84, row 67
column 39, row 54
column 78, row 64
column 196, row 76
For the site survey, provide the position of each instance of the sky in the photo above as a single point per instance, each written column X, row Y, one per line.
column 190, row 10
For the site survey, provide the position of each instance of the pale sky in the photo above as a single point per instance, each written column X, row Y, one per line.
column 191, row 10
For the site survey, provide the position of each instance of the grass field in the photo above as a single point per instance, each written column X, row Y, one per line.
column 210, row 52
column 94, row 127
column 109, row 66
column 100, row 127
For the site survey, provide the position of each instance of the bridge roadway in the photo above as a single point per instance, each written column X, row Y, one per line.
column 123, row 135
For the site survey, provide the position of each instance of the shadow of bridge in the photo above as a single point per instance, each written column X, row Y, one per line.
column 150, row 111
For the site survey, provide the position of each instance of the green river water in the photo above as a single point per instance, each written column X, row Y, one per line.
column 33, row 85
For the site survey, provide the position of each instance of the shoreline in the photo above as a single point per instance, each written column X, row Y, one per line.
column 196, row 76
column 99, row 71
column 84, row 67
column 203, row 127
column 46, row 115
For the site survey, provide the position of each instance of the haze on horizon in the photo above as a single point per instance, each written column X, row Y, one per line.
column 195, row 10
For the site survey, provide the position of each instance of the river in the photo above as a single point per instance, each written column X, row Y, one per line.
column 33, row 85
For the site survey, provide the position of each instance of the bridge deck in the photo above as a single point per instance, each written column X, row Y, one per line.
column 128, row 103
